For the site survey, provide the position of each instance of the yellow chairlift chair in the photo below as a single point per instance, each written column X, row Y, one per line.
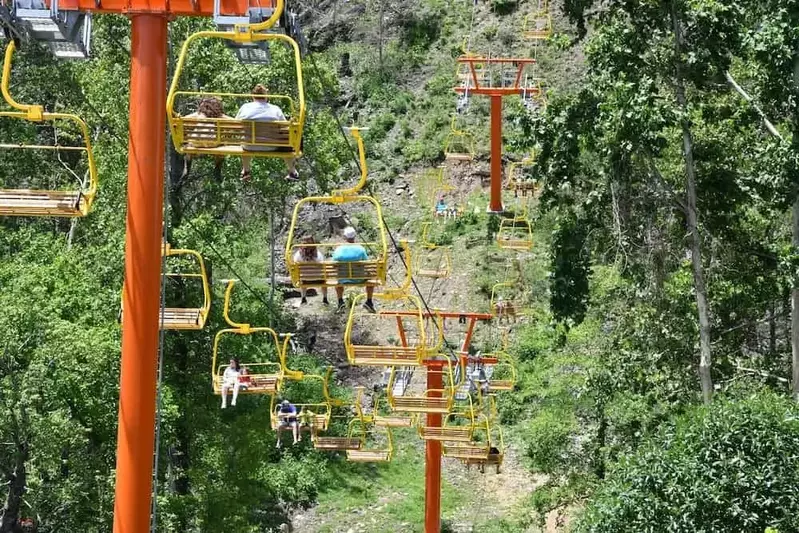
column 518, row 182
column 435, row 400
column 458, row 144
column 234, row 137
column 313, row 415
column 432, row 261
column 384, row 417
column 394, row 305
column 54, row 201
column 328, row 272
column 458, row 424
column 258, row 350
column 515, row 234
column 344, row 416
column 507, row 302
column 186, row 318
column 377, row 442
column 487, row 446
column 537, row 26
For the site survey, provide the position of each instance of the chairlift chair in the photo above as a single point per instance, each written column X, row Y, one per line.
column 187, row 318
column 406, row 312
column 537, row 26
column 515, row 234
column 507, row 302
column 342, row 419
column 437, row 400
column 457, row 426
column 75, row 202
column 432, row 261
column 377, row 442
column 458, row 144
column 264, row 376
column 233, row 137
column 371, row 271
column 384, row 417
column 313, row 416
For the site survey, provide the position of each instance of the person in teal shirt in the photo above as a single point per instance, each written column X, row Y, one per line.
column 347, row 252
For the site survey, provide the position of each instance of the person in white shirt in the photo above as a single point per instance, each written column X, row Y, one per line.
column 261, row 110
column 230, row 380
column 310, row 253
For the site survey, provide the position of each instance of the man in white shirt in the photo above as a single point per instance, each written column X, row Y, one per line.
column 261, row 110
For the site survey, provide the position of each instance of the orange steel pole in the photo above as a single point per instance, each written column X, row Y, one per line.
column 136, row 432
column 495, row 204
column 432, row 465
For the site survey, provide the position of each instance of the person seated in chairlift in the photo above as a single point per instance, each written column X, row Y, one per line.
column 441, row 208
column 230, row 381
column 209, row 107
column 245, row 380
column 310, row 253
column 287, row 418
column 348, row 252
column 260, row 110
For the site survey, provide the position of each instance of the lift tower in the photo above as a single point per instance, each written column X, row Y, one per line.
column 497, row 78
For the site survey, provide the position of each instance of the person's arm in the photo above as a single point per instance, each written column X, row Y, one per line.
column 319, row 255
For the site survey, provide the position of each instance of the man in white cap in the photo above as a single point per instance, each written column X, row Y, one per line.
column 348, row 252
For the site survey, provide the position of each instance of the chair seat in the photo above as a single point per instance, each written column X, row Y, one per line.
column 332, row 272
column 430, row 273
column 236, row 137
column 28, row 202
column 450, row 434
column 182, row 318
column 368, row 456
column 384, row 355
column 458, row 157
column 421, row 405
column 337, row 443
column 394, row 421
column 500, row 384
column 466, row 452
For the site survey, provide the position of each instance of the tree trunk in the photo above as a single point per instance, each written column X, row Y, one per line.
column 17, row 482
column 795, row 306
column 705, row 357
column 795, row 224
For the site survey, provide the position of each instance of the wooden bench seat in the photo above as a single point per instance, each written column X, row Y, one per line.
column 368, row 456
column 458, row 156
column 450, row 434
column 235, row 137
column 431, row 273
column 384, row 355
column 259, row 384
column 331, row 272
column 177, row 318
column 421, row 405
column 466, row 452
column 27, row 202
column 515, row 244
column 315, row 423
column 500, row 384
column 394, row 421
column 337, row 443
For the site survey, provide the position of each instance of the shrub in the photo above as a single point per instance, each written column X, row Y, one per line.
column 728, row 467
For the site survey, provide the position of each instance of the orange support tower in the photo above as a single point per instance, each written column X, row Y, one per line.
column 495, row 77
column 435, row 382
column 137, row 395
